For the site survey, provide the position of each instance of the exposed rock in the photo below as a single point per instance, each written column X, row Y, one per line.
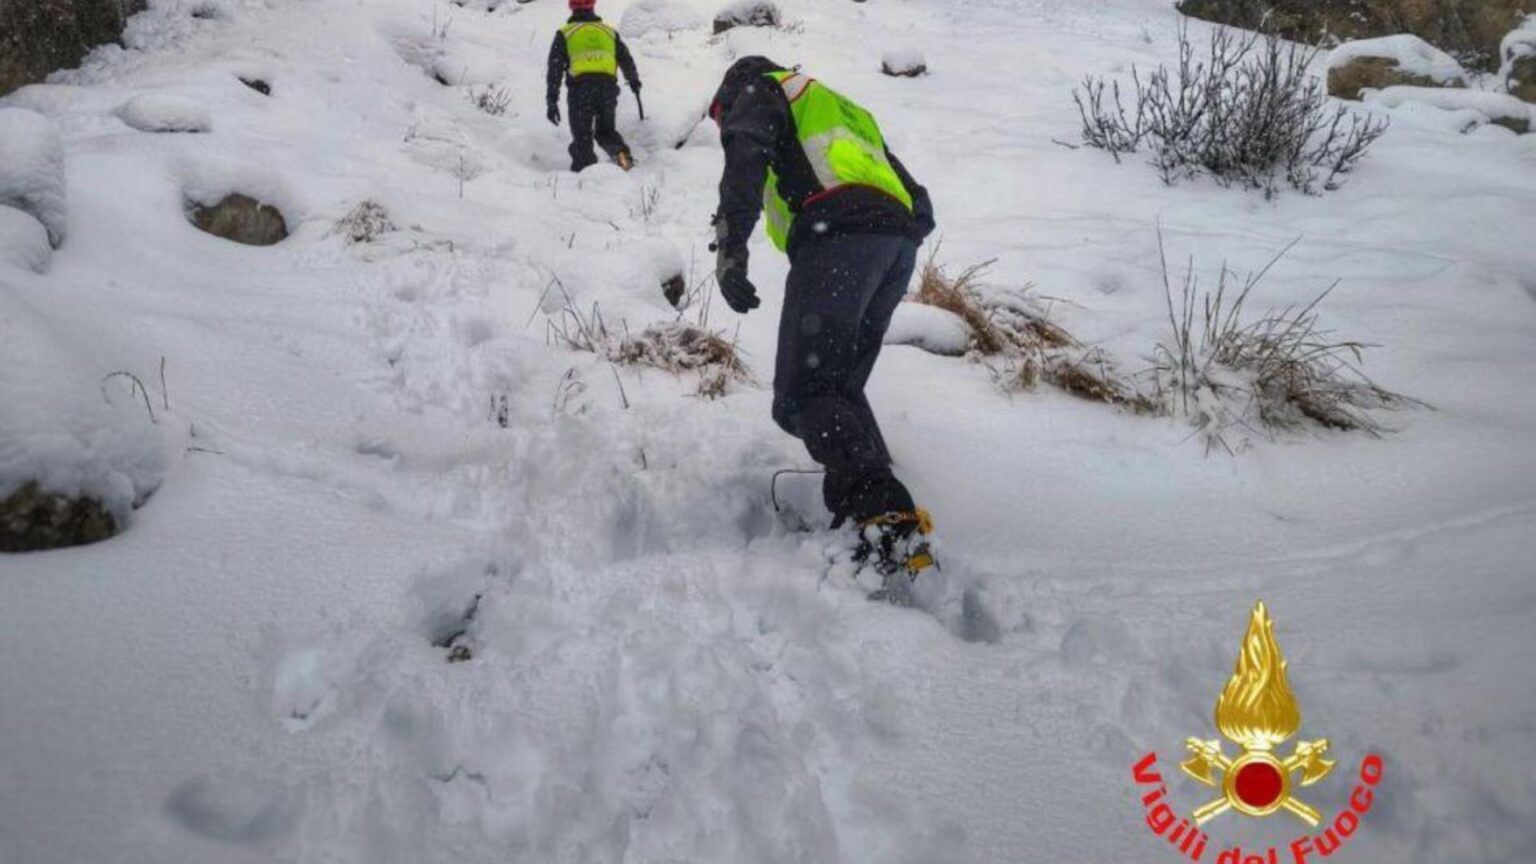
column 32, row 520
column 257, row 84
column 904, row 64
column 1519, row 70
column 1389, row 62
column 675, row 289
column 1470, row 29
column 40, row 36
column 1374, row 73
column 241, row 219
column 748, row 13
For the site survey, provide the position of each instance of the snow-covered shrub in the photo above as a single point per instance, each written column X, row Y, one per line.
column 78, row 451
column 23, row 241
column 659, row 16
column 1390, row 61
column 748, row 13
column 165, row 112
column 1250, row 114
column 32, row 169
column 1227, row 371
column 492, row 99
column 906, row 63
column 364, row 223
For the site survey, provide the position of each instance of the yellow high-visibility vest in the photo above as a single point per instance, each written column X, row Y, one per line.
column 843, row 143
column 593, row 48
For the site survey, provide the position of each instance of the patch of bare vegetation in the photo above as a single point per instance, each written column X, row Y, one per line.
column 366, row 222
column 677, row 347
column 1013, row 333
column 1231, row 373
column 1246, row 112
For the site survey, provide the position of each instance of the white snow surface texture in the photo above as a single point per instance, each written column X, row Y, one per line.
column 660, row 672
column 32, row 169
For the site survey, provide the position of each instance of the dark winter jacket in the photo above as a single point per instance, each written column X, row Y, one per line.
column 560, row 62
column 757, row 132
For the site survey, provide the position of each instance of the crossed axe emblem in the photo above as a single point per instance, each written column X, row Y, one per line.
column 1258, row 795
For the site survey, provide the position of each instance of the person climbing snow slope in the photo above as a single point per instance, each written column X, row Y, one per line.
column 587, row 55
column 851, row 218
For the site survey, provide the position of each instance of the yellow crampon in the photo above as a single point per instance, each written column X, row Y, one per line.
column 921, row 557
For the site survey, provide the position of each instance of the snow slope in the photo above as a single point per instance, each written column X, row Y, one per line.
column 661, row 671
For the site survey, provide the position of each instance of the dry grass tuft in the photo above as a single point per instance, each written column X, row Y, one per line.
column 675, row 346
column 1092, row 376
column 1014, row 327
column 1278, row 372
column 959, row 295
column 1002, row 323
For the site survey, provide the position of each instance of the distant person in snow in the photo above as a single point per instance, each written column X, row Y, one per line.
column 851, row 219
column 587, row 56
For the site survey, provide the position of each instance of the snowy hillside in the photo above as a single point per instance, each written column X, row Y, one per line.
column 367, row 458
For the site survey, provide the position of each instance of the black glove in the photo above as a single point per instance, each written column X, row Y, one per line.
column 731, row 269
column 554, row 113
column 635, row 86
column 739, row 292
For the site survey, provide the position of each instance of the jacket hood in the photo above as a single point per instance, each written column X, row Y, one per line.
column 741, row 75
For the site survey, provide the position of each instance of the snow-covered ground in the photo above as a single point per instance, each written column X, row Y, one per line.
column 660, row 670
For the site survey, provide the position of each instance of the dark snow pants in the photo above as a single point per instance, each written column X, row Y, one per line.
column 838, row 303
column 591, row 103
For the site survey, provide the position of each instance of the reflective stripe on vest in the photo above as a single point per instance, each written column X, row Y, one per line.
column 593, row 48
column 841, row 141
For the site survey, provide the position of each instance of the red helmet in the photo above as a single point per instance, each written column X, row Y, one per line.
column 583, row 5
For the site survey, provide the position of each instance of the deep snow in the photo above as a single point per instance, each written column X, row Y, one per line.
column 662, row 672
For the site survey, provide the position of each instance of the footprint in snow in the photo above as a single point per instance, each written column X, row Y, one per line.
column 233, row 811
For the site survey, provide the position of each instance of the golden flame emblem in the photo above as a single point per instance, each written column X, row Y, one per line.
column 1257, row 711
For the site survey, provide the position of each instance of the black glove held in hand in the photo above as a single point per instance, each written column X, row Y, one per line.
column 554, row 114
column 731, row 270
column 738, row 289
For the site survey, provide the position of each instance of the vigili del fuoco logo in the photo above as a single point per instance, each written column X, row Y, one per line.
column 1258, row 713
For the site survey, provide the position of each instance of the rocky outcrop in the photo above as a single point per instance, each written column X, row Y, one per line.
column 241, row 219
column 32, row 520
column 1394, row 61
column 40, row 36
column 1519, row 70
column 1470, row 29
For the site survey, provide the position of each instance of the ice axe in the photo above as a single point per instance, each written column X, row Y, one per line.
column 639, row 104
column 682, row 140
